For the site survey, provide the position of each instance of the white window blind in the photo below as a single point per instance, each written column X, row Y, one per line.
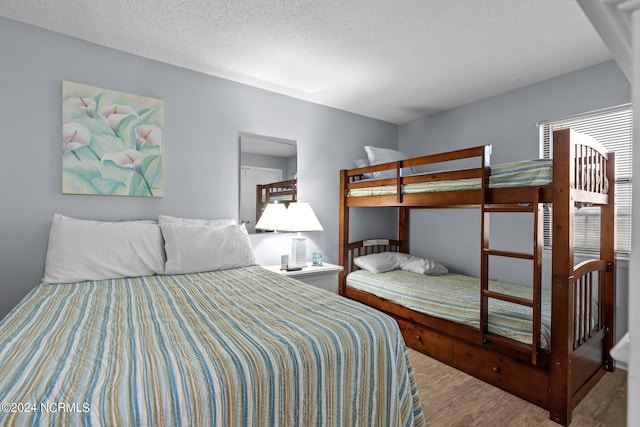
column 613, row 127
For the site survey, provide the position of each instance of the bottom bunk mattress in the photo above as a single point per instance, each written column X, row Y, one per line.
column 234, row 347
column 457, row 298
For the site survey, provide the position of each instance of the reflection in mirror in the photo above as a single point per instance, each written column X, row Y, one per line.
column 268, row 172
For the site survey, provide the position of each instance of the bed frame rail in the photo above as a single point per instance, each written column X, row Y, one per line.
column 282, row 188
column 480, row 156
column 587, row 289
column 368, row 247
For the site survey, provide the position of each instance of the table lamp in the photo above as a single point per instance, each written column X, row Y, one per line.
column 272, row 217
column 299, row 217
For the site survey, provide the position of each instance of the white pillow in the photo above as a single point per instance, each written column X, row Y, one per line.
column 213, row 222
column 81, row 250
column 192, row 248
column 423, row 266
column 379, row 263
column 363, row 163
column 385, row 155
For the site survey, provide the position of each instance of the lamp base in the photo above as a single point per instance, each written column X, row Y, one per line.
column 298, row 252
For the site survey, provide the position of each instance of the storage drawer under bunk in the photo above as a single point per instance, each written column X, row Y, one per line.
column 427, row 341
column 527, row 381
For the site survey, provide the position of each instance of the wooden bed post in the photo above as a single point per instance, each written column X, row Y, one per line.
column 403, row 229
column 562, row 271
column 259, row 189
column 343, row 234
column 607, row 253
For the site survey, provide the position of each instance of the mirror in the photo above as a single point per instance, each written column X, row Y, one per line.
column 268, row 172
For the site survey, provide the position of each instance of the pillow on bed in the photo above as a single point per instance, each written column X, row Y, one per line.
column 213, row 222
column 192, row 248
column 81, row 250
column 382, row 262
column 387, row 261
column 363, row 163
column 385, row 155
column 423, row 266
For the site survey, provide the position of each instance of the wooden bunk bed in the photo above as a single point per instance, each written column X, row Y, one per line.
column 281, row 191
column 582, row 297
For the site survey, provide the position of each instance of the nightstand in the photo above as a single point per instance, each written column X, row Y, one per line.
column 323, row 276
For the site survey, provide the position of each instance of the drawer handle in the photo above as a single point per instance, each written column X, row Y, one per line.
column 496, row 369
column 419, row 338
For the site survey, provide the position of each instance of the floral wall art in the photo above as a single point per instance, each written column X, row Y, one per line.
column 112, row 142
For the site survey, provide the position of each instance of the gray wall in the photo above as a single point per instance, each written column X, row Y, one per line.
column 204, row 118
column 508, row 122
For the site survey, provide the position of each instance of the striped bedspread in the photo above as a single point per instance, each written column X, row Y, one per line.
column 229, row 348
column 456, row 297
column 526, row 173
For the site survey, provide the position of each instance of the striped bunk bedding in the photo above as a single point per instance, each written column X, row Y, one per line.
column 456, row 297
column 525, row 173
column 234, row 347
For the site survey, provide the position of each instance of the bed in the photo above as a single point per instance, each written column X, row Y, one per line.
column 280, row 192
column 234, row 346
column 455, row 297
column 560, row 346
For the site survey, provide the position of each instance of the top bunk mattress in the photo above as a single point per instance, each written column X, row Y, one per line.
column 527, row 173
column 457, row 298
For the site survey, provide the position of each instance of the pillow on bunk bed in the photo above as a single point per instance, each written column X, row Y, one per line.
column 381, row 262
column 363, row 163
column 385, row 155
column 424, row 266
column 387, row 261
column 194, row 248
column 81, row 250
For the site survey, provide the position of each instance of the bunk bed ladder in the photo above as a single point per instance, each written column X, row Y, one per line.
column 534, row 207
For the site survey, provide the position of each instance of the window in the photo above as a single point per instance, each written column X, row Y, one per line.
column 613, row 127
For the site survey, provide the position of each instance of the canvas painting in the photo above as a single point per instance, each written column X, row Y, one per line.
column 112, row 142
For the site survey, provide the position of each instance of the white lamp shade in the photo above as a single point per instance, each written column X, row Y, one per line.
column 272, row 216
column 300, row 217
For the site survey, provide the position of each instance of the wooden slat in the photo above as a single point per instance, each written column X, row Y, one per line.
column 469, row 199
column 503, row 208
column 443, row 176
column 367, row 183
column 465, row 153
column 538, row 243
column 508, row 298
column 508, row 254
column 504, row 341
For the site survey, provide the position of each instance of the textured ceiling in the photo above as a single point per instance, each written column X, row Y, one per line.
column 395, row 60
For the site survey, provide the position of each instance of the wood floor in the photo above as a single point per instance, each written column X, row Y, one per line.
column 452, row 398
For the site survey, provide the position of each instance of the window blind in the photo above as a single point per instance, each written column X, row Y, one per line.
column 613, row 127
